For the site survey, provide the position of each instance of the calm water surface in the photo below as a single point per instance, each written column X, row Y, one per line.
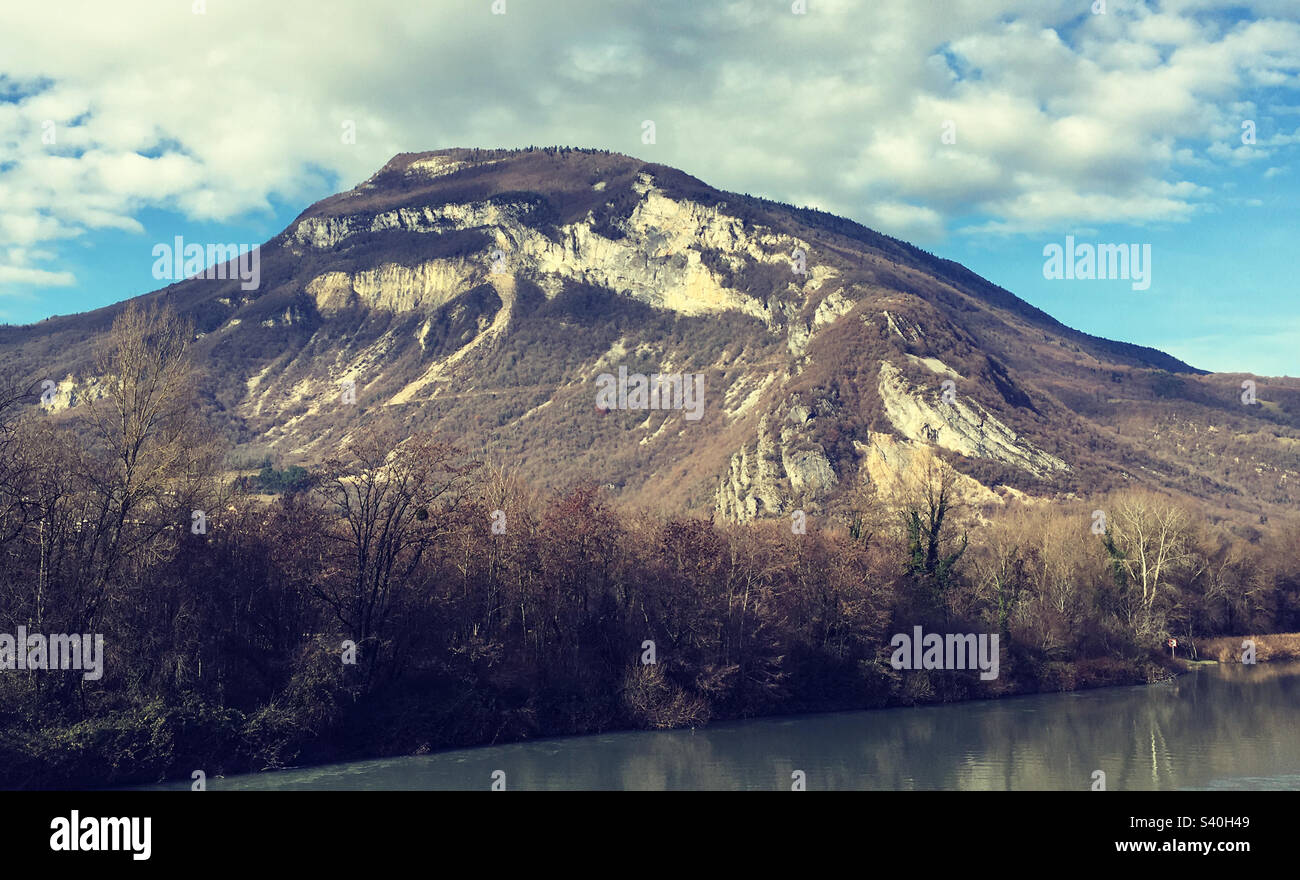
column 1220, row 727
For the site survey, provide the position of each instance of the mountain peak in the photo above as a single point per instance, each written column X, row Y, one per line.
column 491, row 293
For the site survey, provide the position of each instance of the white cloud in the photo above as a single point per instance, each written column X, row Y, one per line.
column 1061, row 117
column 35, row 277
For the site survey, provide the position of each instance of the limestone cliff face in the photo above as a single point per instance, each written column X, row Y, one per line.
column 667, row 253
column 656, row 258
column 58, row 396
column 327, row 233
column 959, row 424
column 394, row 288
column 755, row 483
column 785, row 470
column 890, row 465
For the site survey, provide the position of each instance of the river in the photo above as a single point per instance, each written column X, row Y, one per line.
column 1217, row 727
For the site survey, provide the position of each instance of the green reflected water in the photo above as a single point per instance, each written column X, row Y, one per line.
column 1228, row 727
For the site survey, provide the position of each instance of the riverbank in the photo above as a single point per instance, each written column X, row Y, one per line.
column 157, row 742
column 1213, row 729
column 1268, row 648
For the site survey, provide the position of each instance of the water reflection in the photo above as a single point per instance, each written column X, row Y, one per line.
column 1228, row 727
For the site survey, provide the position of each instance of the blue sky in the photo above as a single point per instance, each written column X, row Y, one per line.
column 221, row 121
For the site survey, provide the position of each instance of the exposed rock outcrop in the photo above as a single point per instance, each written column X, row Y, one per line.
column 961, row 424
column 786, row 468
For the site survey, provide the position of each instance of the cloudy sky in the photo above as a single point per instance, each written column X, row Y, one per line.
column 981, row 130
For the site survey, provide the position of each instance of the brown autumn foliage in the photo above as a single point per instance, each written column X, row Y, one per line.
column 1268, row 648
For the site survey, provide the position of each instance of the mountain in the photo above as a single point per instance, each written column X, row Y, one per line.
column 486, row 292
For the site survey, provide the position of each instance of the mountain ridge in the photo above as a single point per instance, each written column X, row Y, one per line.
column 816, row 383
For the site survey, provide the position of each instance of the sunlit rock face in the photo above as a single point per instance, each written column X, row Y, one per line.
column 963, row 426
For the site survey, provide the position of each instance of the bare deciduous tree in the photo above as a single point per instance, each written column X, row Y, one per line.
column 395, row 499
column 1147, row 537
